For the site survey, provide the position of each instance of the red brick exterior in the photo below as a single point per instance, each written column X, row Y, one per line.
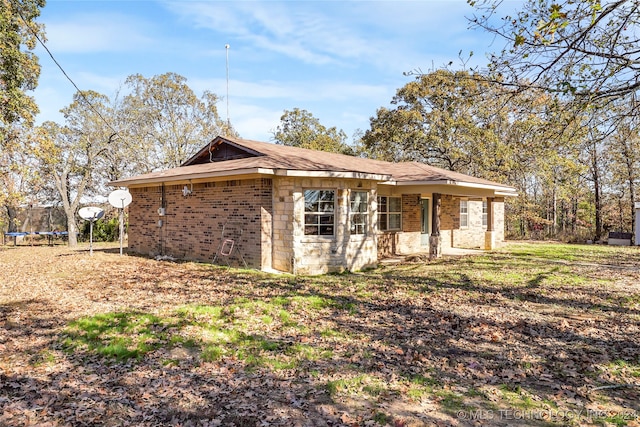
column 452, row 235
column 411, row 210
column 449, row 212
column 192, row 226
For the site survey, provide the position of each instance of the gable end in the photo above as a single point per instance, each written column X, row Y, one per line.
column 220, row 150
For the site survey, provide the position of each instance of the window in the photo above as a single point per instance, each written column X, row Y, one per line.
column 389, row 213
column 319, row 207
column 359, row 212
column 485, row 210
column 464, row 214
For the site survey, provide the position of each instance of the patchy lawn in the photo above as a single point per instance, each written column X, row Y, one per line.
column 532, row 335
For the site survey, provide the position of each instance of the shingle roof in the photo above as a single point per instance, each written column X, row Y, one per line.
column 280, row 158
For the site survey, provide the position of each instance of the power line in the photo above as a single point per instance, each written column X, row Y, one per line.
column 35, row 34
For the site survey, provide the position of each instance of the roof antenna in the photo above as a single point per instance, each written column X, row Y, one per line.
column 226, row 47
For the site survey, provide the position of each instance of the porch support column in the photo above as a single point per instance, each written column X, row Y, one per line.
column 489, row 235
column 435, row 241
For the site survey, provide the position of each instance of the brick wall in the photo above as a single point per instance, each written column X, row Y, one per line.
column 265, row 219
column 406, row 241
column 452, row 235
column 449, row 212
column 193, row 227
column 411, row 212
column 471, row 236
column 302, row 254
column 143, row 233
column 283, row 224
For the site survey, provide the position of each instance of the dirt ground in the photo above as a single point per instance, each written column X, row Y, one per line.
column 477, row 340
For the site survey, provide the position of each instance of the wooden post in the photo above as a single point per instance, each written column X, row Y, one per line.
column 435, row 242
column 489, row 213
column 435, row 215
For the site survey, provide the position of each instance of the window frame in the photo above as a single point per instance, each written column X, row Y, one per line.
column 320, row 213
column 387, row 214
column 485, row 213
column 465, row 214
column 361, row 228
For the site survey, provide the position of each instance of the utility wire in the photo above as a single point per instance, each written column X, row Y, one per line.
column 17, row 7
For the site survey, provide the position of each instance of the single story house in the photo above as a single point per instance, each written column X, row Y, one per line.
column 302, row 211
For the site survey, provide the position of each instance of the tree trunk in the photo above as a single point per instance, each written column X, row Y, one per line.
column 70, row 206
column 71, row 227
column 574, row 215
column 632, row 189
column 12, row 214
column 595, row 175
column 632, row 206
column 563, row 217
column 554, row 213
column 598, row 207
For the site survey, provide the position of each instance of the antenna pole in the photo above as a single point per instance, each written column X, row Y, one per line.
column 226, row 47
column 91, row 235
column 121, row 225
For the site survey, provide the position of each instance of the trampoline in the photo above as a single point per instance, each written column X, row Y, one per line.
column 50, row 235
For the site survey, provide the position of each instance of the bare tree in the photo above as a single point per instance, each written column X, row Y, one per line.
column 586, row 49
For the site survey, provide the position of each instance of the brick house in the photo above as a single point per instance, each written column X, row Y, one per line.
column 307, row 212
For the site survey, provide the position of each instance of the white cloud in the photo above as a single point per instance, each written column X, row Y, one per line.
column 101, row 83
column 291, row 29
column 253, row 122
column 338, row 60
column 96, row 32
column 303, row 90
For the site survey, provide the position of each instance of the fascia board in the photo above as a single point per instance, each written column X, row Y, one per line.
column 498, row 188
column 332, row 174
column 191, row 176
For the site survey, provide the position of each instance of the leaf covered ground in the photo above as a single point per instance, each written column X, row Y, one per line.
column 531, row 335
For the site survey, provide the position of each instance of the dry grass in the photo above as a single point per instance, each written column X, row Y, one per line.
column 509, row 338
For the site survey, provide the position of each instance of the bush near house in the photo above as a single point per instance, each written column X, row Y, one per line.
column 104, row 230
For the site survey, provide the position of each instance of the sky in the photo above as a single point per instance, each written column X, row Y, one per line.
column 339, row 60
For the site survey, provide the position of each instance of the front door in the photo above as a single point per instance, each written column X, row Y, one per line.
column 424, row 219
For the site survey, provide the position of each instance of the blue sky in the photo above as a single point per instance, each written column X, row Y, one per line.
column 339, row 60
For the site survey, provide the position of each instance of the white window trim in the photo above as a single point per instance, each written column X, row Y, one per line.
column 485, row 213
column 318, row 213
column 466, row 214
column 388, row 213
column 365, row 213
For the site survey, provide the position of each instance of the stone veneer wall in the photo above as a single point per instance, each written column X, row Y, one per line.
column 498, row 220
column 270, row 214
column 471, row 236
column 407, row 241
column 192, row 227
column 283, row 254
column 297, row 253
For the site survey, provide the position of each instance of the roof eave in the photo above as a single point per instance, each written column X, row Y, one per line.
column 502, row 190
column 333, row 174
column 191, row 176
